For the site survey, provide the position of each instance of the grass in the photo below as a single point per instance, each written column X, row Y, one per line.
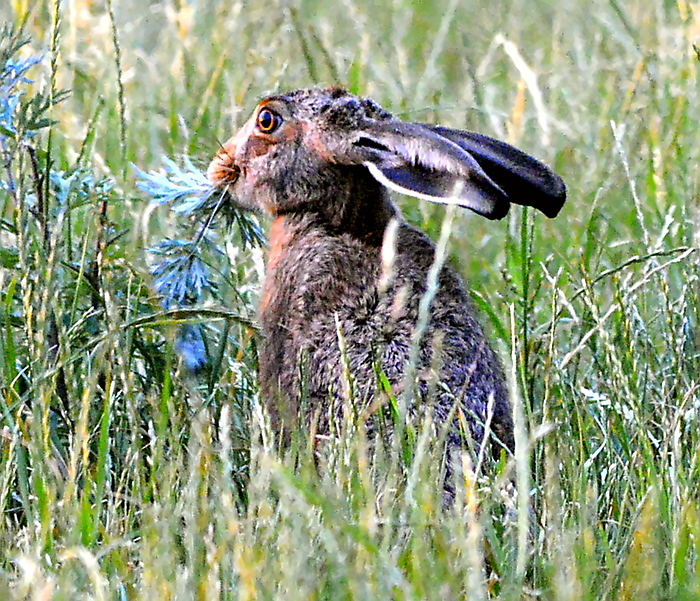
column 123, row 477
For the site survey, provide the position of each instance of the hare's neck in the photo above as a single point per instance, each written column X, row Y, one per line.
column 361, row 208
column 347, row 202
column 284, row 232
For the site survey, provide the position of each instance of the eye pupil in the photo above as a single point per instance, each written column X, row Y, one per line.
column 268, row 121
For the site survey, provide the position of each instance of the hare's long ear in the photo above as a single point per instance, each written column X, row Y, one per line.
column 414, row 160
column 523, row 178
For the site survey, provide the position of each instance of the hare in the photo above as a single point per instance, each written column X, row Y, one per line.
column 320, row 162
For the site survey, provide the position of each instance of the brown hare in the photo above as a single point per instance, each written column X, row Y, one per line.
column 319, row 162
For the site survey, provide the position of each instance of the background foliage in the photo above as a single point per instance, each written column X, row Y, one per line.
column 123, row 476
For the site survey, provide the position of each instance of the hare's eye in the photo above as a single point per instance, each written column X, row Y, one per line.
column 268, row 121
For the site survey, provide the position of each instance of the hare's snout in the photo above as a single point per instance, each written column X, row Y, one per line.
column 223, row 170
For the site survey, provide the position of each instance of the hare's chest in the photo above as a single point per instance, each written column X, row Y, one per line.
column 307, row 284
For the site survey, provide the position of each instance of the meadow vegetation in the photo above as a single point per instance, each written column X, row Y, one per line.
column 123, row 475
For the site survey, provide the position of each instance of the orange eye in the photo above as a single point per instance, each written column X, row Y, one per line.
column 268, row 121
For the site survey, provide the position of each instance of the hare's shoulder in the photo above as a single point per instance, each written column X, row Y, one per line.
column 415, row 256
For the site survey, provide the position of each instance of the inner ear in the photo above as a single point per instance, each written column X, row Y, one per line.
column 420, row 181
column 364, row 142
column 413, row 160
column 441, row 186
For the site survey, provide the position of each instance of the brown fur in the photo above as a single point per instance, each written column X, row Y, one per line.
column 324, row 267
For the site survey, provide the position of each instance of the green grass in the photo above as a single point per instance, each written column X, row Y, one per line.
column 122, row 477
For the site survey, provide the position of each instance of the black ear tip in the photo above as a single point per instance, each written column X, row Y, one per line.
column 500, row 210
column 549, row 203
column 552, row 205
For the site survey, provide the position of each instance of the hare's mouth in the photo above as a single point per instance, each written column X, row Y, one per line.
column 223, row 173
column 223, row 170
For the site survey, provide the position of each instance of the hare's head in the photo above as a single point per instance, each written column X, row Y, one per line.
column 321, row 150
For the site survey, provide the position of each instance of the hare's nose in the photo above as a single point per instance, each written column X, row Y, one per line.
column 223, row 169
